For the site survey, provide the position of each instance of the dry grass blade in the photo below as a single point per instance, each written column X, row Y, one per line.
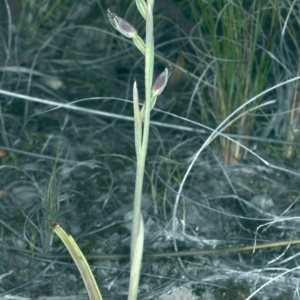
column 80, row 261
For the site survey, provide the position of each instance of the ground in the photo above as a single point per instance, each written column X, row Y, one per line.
column 67, row 155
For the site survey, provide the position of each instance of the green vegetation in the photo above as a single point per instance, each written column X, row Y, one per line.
column 80, row 126
column 141, row 130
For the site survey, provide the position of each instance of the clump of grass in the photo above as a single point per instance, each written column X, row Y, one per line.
column 285, row 53
column 238, row 37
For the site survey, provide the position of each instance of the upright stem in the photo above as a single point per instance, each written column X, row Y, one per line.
column 142, row 152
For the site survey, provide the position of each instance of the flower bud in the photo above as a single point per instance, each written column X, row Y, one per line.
column 160, row 82
column 121, row 25
column 142, row 7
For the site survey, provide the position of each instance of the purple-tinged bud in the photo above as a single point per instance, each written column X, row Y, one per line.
column 160, row 82
column 121, row 25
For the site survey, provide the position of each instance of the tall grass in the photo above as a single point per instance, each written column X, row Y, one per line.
column 238, row 37
column 286, row 65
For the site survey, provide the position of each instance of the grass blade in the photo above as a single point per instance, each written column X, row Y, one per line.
column 80, row 262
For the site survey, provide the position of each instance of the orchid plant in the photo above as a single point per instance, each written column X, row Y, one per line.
column 141, row 131
column 141, row 125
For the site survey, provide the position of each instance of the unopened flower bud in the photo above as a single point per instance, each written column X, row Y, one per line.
column 160, row 82
column 142, row 7
column 121, row 25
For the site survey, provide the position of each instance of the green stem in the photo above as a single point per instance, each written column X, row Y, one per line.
column 141, row 155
